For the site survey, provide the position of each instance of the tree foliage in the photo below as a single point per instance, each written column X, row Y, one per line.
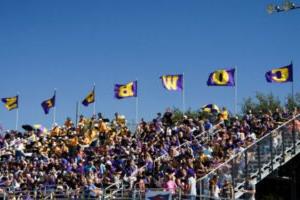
column 265, row 102
column 261, row 102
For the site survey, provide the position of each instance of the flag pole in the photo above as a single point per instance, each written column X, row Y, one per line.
column 54, row 109
column 76, row 117
column 136, row 107
column 17, row 118
column 183, row 94
column 94, row 106
column 235, row 91
column 293, row 98
column 293, row 94
column 17, row 113
column 136, row 110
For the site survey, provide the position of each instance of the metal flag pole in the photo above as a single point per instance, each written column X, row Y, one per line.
column 136, row 106
column 17, row 112
column 235, row 91
column 293, row 95
column 183, row 94
column 17, row 118
column 136, row 110
column 94, row 107
column 54, row 108
column 76, row 117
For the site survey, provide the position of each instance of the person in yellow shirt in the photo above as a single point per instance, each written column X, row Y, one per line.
column 102, row 126
column 224, row 114
column 73, row 141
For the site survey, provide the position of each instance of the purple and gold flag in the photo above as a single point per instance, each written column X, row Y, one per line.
column 172, row 82
column 10, row 102
column 49, row 103
column 280, row 75
column 223, row 77
column 90, row 98
column 126, row 90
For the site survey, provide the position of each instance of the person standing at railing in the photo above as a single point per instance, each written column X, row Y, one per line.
column 227, row 190
column 214, row 189
column 170, row 185
column 192, row 185
column 249, row 189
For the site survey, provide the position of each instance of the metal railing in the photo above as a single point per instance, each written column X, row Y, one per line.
column 115, row 188
column 46, row 193
column 256, row 161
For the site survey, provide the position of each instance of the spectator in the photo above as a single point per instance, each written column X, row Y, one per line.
column 98, row 152
column 92, row 190
column 170, row 185
column 249, row 189
column 192, row 190
column 227, row 190
column 213, row 187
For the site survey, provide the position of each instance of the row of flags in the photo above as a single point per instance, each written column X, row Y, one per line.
column 223, row 77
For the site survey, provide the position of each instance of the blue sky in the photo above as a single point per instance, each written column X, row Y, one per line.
column 71, row 44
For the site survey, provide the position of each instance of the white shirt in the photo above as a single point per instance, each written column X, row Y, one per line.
column 192, row 183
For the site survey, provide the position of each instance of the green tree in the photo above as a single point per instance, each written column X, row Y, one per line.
column 262, row 102
column 177, row 114
column 292, row 103
column 247, row 105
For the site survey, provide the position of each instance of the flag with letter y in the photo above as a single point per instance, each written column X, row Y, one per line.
column 90, row 98
column 11, row 102
column 49, row 103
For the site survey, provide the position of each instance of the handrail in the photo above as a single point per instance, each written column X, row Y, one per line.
column 111, row 186
column 187, row 142
column 201, row 134
column 263, row 137
column 247, row 148
column 167, row 153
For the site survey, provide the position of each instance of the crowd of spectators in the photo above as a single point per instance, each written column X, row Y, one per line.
column 97, row 152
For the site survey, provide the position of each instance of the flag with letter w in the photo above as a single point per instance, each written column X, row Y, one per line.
column 126, row 90
column 172, row 82
column 10, row 102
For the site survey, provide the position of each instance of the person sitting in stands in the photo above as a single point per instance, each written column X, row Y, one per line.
column 92, row 190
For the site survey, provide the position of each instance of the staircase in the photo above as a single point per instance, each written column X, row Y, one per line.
column 258, row 160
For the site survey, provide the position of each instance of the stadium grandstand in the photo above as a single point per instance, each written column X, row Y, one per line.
column 149, row 100
column 211, row 156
